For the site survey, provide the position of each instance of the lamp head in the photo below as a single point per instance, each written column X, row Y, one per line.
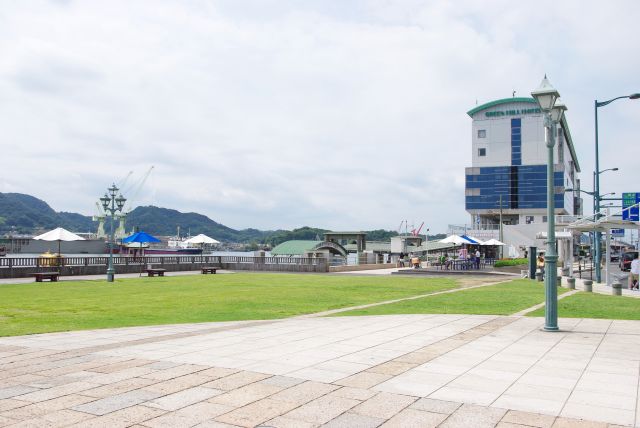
column 546, row 95
column 120, row 200
column 105, row 201
column 634, row 96
column 614, row 169
column 558, row 111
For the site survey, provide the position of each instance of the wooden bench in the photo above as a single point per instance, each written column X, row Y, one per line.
column 154, row 272
column 51, row 276
column 208, row 269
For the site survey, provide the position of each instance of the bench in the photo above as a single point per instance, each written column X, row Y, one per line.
column 51, row 276
column 208, row 269
column 154, row 272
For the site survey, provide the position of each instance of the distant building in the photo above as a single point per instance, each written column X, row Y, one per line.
column 509, row 164
column 508, row 170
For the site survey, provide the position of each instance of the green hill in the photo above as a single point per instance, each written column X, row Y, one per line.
column 25, row 214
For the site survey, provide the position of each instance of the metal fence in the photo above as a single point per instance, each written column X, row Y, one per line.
column 30, row 262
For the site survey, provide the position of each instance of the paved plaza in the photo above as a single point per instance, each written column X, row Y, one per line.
column 390, row 371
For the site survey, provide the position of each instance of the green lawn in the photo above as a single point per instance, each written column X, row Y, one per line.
column 75, row 305
column 592, row 305
column 501, row 299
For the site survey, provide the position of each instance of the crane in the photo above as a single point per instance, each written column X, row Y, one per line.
column 415, row 232
column 99, row 217
column 134, row 189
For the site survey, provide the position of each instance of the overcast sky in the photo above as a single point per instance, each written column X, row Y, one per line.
column 283, row 113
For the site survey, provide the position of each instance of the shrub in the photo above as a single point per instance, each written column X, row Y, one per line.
column 511, row 262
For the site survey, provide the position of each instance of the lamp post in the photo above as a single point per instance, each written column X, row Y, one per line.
column 111, row 205
column 597, row 172
column 553, row 110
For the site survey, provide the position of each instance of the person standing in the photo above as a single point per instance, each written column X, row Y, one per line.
column 633, row 273
column 540, row 263
column 477, row 258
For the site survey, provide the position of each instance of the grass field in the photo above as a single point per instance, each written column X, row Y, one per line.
column 501, row 299
column 592, row 305
column 76, row 305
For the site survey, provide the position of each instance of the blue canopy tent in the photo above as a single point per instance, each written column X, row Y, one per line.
column 141, row 238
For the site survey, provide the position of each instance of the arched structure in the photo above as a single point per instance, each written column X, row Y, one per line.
column 300, row 247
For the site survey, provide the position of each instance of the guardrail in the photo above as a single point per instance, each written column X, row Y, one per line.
column 15, row 267
column 130, row 260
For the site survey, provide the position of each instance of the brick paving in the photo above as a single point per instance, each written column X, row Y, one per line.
column 387, row 371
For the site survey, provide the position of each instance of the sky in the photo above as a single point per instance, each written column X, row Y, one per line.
column 339, row 114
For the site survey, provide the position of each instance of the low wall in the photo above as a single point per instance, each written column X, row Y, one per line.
column 353, row 268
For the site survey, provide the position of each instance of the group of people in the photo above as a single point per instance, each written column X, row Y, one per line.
column 415, row 261
column 472, row 258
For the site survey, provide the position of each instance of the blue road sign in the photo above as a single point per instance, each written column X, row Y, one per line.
column 628, row 200
column 617, row 232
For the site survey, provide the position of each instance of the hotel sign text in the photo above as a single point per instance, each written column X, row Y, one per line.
column 515, row 112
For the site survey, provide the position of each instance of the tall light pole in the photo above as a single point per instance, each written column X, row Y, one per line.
column 553, row 110
column 596, row 187
column 111, row 205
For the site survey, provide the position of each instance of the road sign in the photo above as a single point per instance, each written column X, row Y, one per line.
column 628, row 200
column 619, row 233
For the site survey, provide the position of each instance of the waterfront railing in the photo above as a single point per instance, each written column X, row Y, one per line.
column 20, row 262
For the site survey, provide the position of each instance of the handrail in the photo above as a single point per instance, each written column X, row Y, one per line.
column 20, row 262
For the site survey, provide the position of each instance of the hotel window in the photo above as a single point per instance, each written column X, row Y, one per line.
column 482, row 152
column 544, row 218
column 482, row 133
column 529, row 219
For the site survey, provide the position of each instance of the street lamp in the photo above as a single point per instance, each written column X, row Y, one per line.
column 111, row 205
column 553, row 110
column 596, row 186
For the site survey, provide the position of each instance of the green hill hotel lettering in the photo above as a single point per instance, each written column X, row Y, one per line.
column 517, row 112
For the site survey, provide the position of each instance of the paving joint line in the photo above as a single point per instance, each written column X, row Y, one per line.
column 530, row 367
column 498, row 319
column 604, row 334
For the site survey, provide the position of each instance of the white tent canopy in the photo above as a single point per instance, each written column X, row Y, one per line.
column 201, row 239
column 461, row 240
column 493, row 241
column 59, row 234
column 455, row 240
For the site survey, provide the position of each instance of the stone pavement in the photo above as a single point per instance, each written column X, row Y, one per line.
column 390, row 371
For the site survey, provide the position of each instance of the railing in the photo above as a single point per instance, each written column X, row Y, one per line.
column 16, row 262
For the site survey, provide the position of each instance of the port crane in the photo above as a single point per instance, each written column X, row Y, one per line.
column 134, row 188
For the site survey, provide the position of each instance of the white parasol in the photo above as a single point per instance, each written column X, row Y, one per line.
column 59, row 234
column 201, row 239
column 493, row 242
column 455, row 240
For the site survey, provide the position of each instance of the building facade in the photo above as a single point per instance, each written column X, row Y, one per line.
column 508, row 173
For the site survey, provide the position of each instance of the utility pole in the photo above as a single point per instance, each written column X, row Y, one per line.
column 501, row 234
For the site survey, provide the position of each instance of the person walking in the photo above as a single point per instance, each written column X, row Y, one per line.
column 633, row 273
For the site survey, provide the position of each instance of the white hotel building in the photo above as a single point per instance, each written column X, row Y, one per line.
column 508, row 172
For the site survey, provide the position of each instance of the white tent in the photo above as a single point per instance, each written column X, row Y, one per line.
column 201, row 239
column 493, row 241
column 455, row 240
column 59, row 234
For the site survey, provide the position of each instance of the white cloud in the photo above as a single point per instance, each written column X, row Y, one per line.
column 278, row 114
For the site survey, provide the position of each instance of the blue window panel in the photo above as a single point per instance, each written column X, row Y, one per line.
column 531, row 191
column 516, row 143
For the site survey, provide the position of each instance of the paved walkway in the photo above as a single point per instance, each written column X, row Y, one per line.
column 391, row 371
